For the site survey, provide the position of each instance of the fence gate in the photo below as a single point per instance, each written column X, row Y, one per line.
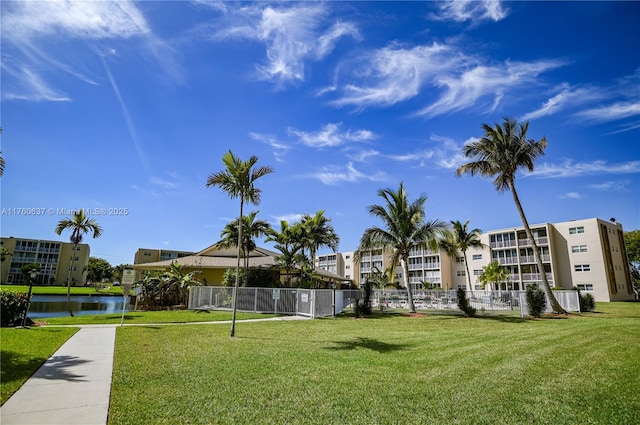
column 305, row 304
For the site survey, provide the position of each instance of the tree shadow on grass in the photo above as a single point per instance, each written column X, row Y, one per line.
column 369, row 344
column 17, row 367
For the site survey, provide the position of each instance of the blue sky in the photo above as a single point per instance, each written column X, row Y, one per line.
column 131, row 105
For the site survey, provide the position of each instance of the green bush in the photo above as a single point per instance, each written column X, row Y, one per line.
column 463, row 303
column 536, row 301
column 12, row 307
column 587, row 303
column 363, row 306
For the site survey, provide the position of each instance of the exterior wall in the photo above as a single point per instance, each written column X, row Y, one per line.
column 146, row 255
column 340, row 263
column 588, row 254
column 594, row 259
column 54, row 258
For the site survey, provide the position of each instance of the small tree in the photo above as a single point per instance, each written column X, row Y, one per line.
column 463, row 303
column 492, row 274
column 536, row 301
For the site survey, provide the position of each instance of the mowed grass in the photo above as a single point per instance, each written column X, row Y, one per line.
column 390, row 369
column 147, row 317
column 62, row 290
column 24, row 351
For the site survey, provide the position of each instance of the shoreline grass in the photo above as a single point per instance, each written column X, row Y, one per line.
column 62, row 290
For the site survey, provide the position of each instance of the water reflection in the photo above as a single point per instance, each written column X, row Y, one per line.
column 55, row 305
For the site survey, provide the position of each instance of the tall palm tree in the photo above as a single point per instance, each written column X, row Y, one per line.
column 79, row 225
column 318, row 232
column 251, row 229
column 463, row 239
column 501, row 153
column 289, row 242
column 238, row 181
column 404, row 228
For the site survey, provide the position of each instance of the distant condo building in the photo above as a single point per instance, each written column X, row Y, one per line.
column 54, row 258
column 587, row 254
column 148, row 255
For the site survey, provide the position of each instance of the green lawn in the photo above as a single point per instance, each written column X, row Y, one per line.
column 146, row 317
column 62, row 290
column 439, row 369
column 24, row 351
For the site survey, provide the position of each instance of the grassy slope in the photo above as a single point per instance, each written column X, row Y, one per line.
column 392, row 369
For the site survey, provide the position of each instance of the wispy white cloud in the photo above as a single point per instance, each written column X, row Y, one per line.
column 567, row 97
column 394, row 74
column 279, row 148
column 595, row 103
column 571, row 195
column 29, row 85
column 443, row 72
column 291, row 35
column 617, row 186
column 473, row 85
column 163, row 183
column 610, row 112
column 330, row 136
column 334, row 175
column 364, row 155
column 30, row 28
column 571, row 169
column 471, row 10
column 289, row 218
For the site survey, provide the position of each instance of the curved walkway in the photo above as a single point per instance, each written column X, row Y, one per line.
column 74, row 385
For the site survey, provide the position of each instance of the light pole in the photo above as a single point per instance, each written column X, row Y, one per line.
column 33, row 274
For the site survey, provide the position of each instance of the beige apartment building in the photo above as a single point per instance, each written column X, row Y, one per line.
column 148, row 255
column 587, row 254
column 54, row 258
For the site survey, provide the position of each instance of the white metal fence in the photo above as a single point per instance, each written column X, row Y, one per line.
column 304, row 302
column 326, row 302
column 491, row 301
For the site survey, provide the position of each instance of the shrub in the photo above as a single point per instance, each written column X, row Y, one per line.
column 363, row 306
column 536, row 301
column 587, row 303
column 12, row 307
column 463, row 303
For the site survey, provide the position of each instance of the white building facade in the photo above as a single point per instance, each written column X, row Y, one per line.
column 586, row 254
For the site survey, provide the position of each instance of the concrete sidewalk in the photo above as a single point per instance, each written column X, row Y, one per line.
column 72, row 387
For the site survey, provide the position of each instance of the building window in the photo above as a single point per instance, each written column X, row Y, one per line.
column 348, row 277
column 459, row 259
column 347, row 256
column 585, row 287
column 477, row 272
column 460, row 273
column 347, row 267
column 582, row 267
column 477, row 256
column 579, row 248
column 576, row 230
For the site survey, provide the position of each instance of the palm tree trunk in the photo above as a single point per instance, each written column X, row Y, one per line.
column 466, row 266
column 557, row 308
column 75, row 245
column 235, row 288
column 412, row 307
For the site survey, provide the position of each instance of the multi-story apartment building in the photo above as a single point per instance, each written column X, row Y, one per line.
column 337, row 263
column 54, row 258
column 147, row 255
column 587, row 254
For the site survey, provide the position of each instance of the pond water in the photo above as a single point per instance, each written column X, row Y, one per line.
column 56, row 305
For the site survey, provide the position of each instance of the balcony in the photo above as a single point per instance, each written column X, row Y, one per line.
column 535, row 277
column 506, row 260
column 503, row 244
column 432, row 265
column 539, row 241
